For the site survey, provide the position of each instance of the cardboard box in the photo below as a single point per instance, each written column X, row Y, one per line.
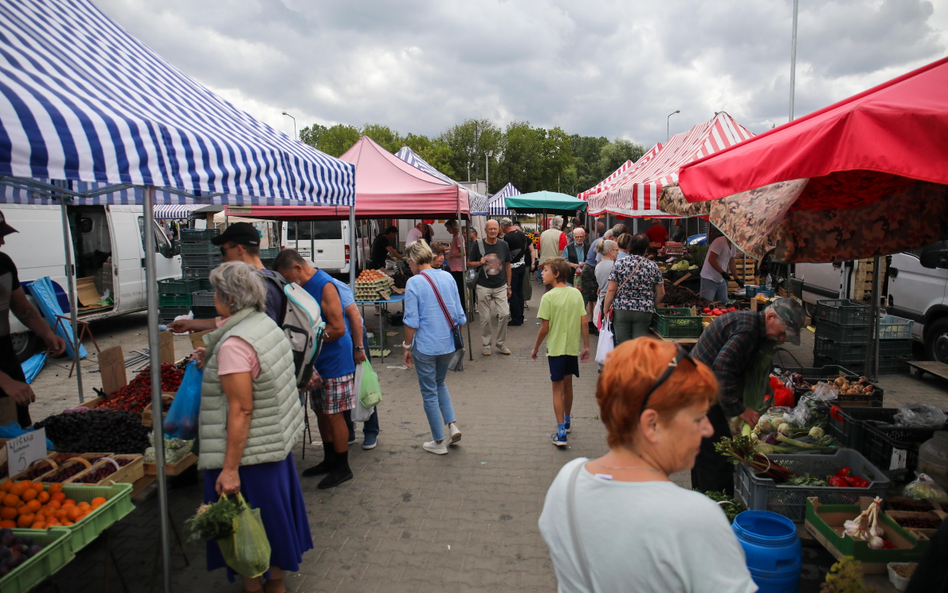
column 86, row 292
column 825, row 523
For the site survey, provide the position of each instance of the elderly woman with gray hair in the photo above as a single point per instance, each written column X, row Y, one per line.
column 250, row 419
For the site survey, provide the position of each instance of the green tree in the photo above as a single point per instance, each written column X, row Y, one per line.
column 614, row 154
column 586, row 153
column 384, row 136
column 557, row 157
column 333, row 141
column 311, row 134
column 469, row 143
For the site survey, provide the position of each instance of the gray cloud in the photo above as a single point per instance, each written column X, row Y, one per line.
column 598, row 67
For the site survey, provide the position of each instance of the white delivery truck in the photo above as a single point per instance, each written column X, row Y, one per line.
column 108, row 247
column 325, row 242
column 918, row 290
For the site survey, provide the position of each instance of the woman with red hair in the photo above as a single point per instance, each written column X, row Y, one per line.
column 618, row 523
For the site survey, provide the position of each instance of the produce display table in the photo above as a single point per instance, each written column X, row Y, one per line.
column 682, row 341
column 382, row 305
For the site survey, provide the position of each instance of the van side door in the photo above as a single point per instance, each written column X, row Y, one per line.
column 128, row 281
column 914, row 289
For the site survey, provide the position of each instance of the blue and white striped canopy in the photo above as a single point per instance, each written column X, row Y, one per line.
column 478, row 202
column 81, row 100
column 496, row 205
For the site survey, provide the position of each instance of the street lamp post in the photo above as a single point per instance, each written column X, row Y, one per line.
column 469, row 171
column 667, row 133
column 487, row 156
column 295, row 135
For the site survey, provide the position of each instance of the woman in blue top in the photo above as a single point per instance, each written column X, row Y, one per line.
column 429, row 345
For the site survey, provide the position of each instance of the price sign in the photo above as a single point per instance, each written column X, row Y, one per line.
column 25, row 449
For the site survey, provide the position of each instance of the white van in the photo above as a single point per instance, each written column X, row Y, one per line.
column 837, row 280
column 329, row 239
column 107, row 246
column 918, row 290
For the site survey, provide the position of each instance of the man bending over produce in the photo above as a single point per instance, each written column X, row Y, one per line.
column 739, row 346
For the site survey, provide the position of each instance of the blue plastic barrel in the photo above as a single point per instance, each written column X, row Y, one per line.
column 772, row 548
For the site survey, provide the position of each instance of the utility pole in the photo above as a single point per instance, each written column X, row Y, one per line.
column 477, row 152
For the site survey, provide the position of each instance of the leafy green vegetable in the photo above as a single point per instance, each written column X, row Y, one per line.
column 806, row 480
column 214, row 521
column 731, row 507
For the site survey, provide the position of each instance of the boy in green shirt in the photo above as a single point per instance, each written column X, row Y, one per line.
column 564, row 320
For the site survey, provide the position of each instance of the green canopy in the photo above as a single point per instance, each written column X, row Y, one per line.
column 545, row 201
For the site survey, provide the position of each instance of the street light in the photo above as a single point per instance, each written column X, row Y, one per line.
column 667, row 134
column 487, row 156
column 469, row 171
column 294, row 124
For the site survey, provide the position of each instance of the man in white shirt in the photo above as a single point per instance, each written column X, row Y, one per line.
column 416, row 233
column 714, row 278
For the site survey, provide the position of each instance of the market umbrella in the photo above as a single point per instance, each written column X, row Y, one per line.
column 866, row 176
column 545, row 201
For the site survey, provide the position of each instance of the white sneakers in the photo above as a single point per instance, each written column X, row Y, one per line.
column 453, row 436
column 454, row 433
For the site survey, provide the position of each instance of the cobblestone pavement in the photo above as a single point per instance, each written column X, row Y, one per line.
column 410, row 521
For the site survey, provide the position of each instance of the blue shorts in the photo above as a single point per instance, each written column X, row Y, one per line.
column 560, row 366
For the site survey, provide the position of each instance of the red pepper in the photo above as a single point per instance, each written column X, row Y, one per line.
column 846, row 471
column 838, row 482
column 857, row 482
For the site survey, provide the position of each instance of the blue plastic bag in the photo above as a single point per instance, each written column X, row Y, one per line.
column 182, row 419
column 13, row 430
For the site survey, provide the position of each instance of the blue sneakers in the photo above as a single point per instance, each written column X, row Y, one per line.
column 370, row 441
column 567, row 423
column 559, row 438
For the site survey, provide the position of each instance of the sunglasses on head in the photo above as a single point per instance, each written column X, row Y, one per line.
column 682, row 354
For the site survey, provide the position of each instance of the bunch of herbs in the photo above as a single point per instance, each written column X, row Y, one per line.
column 215, row 521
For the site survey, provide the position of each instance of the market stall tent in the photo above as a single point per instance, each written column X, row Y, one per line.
column 635, row 194
column 624, row 170
column 497, row 206
column 478, row 201
column 90, row 115
column 542, row 202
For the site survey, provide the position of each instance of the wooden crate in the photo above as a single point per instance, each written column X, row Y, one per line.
column 172, row 469
column 148, row 415
column 746, row 266
column 863, row 278
column 45, row 478
column 126, row 474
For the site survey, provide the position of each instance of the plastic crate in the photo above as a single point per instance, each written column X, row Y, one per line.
column 55, row 554
column 201, row 248
column 676, row 323
column 177, row 286
column 196, row 273
column 842, row 312
column 844, row 334
column 846, row 424
column 821, row 373
column 204, row 312
column 204, row 298
column 173, row 312
column 762, row 494
column 894, row 448
column 206, row 260
column 891, row 348
column 840, row 352
column 893, row 366
column 117, row 505
column 269, row 253
column 174, row 300
column 198, row 235
column 895, row 328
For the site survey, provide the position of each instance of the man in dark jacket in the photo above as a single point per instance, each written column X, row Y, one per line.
column 517, row 241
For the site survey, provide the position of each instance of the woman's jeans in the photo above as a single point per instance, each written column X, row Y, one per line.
column 628, row 325
column 431, row 373
column 714, row 291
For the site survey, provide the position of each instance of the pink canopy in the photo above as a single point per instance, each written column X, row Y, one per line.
column 386, row 187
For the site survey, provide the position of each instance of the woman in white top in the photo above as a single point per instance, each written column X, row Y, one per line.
column 608, row 249
column 618, row 523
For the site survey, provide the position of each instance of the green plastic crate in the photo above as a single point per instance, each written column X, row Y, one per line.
column 177, row 286
column 842, row 312
column 174, row 300
column 676, row 323
column 843, row 353
column 199, row 249
column 55, row 554
column 198, row 235
column 855, row 334
column 118, row 504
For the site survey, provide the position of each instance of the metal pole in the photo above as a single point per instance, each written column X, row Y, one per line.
column 152, row 291
column 352, row 248
column 876, row 289
column 667, row 132
column 793, row 56
column 73, row 305
column 312, row 242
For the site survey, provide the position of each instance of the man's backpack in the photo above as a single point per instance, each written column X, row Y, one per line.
column 303, row 325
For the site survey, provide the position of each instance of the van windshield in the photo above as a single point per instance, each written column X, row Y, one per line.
column 321, row 229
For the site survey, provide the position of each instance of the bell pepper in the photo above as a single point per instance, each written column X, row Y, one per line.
column 846, row 471
column 838, row 482
column 857, row 482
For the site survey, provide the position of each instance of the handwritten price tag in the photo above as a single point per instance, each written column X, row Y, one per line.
column 25, row 449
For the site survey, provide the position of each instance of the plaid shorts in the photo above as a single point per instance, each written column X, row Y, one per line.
column 335, row 395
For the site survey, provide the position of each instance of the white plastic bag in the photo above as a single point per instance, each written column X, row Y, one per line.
column 606, row 342
column 360, row 413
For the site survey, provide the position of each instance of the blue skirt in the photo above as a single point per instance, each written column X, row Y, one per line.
column 274, row 488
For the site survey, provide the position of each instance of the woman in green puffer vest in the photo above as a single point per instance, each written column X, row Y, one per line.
column 250, row 419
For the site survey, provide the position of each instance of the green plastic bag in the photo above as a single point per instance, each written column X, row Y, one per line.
column 371, row 395
column 247, row 550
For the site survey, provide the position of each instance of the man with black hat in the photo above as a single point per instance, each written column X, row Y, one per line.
column 739, row 347
column 240, row 242
column 12, row 298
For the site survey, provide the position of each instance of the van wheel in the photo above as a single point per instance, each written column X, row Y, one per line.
column 24, row 344
column 937, row 342
column 809, row 309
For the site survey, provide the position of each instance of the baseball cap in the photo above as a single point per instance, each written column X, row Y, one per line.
column 793, row 316
column 5, row 229
column 241, row 233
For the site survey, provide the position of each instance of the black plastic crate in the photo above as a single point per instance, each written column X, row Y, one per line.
column 890, row 348
column 210, row 260
column 167, row 314
column 204, row 298
column 196, row 272
column 840, row 352
column 894, row 449
column 844, row 334
column 199, row 248
column 204, row 312
column 842, row 312
column 198, row 235
column 822, row 372
column 174, row 300
column 847, row 423
column 894, row 365
column 176, row 286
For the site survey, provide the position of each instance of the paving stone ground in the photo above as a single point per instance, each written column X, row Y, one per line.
column 411, row 521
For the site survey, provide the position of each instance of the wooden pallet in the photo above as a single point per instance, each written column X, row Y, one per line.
column 862, row 280
column 746, row 266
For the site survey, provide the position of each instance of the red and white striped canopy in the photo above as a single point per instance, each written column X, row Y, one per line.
column 634, row 194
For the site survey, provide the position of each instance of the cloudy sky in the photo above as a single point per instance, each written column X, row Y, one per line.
column 613, row 68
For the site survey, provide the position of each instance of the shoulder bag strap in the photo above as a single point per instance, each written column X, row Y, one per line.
column 574, row 528
column 444, row 308
column 629, row 277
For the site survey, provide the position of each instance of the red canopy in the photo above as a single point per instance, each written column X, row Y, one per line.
column 895, row 131
column 386, row 187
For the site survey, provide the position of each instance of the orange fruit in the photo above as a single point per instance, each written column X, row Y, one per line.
column 11, row 500
column 7, row 524
column 28, row 495
column 38, row 487
column 8, row 513
column 34, row 505
column 43, row 497
column 66, row 523
column 25, row 520
column 60, row 514
column 5, row 486
column 23, row 510
column 54, row 488
column 38, row 525
column 54, row 504
column 18, row 488
column 73, row 514
column 69, row 501
column 58, row 496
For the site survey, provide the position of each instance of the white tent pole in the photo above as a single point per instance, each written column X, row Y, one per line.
column 352, row 248
column 153, row 349
column 73, row 310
